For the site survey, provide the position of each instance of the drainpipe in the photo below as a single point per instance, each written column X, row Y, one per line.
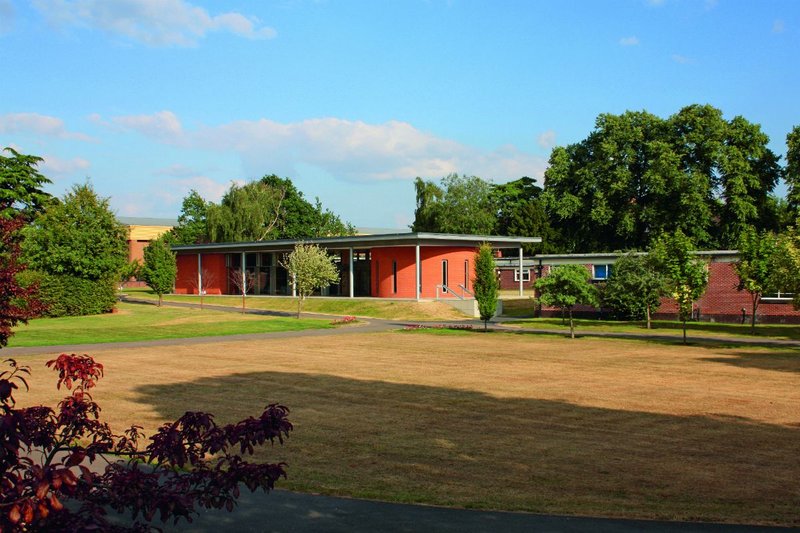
column 418, row 277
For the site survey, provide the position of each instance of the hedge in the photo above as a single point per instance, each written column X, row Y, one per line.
column 65, row 295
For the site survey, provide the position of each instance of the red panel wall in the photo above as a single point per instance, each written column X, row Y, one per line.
column 213, row 268
column 431, row 258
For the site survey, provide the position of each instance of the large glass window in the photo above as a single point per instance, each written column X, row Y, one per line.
column 601, row 272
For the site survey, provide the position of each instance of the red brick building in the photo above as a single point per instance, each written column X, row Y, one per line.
column 722, row 302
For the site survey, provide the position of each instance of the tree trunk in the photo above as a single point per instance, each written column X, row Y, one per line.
column 485, row 325
column 299, row 305
column 753, row 318
column 647, row 310
column 243, row 299
column 571, row 325
column 684, row 332
column 160, row 299
column 201, row 301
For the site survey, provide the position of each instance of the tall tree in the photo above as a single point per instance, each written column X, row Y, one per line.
column 786, row 263
column 17, row 303
column 634, row 288
column 310, row 268
column 160, row 266
column 565, row 287
column 686, row 274
column 755, row 267
column 21, row 185
column 462, row 204
column 621, row 186
column 792, row 173
column 192, row 226
column 485, row 283
column 520, row 212
column 246, row 213
column 78, row 236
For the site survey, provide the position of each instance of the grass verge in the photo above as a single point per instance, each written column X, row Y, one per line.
column 365, row 307
column 137, row 322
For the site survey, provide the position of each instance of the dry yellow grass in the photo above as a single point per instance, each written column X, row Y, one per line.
column 591, row 426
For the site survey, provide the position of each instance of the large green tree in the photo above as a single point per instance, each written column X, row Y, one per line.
column 78, row 236
column 520, row 212
column 792, row 173
column 462, row 204
column 485, row 283
column 686, row 274
column 565, row 287
column 310, row 268
column 622, row 185
column 786, row 263
column 21, row 185
column 755, row 267
column 160, row 266
column 192, row 228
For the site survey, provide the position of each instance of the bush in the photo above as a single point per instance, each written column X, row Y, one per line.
column 64, row 295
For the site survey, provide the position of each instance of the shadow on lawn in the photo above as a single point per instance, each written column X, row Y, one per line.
column 782, row 361
column 415, row 443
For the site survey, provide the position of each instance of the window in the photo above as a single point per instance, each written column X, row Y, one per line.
column 394, row 277
column 601, row 272
column 526, row 274
column 778, row 297
column 466, row 274
column 444, row 272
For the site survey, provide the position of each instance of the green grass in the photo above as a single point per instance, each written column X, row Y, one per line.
column 137, row 322
column 707, row 329
column 365, row 307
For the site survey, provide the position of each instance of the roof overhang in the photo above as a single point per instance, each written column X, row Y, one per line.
column 363, row 241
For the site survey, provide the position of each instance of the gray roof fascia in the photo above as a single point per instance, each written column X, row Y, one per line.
column 358, row 241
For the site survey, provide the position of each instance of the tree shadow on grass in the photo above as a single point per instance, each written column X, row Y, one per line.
column 781, row 361
column 412, row 443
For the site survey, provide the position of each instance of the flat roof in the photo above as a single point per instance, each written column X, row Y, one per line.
column 364, row 241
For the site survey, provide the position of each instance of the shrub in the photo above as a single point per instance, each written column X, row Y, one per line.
column 64, row 295
column 189, row 463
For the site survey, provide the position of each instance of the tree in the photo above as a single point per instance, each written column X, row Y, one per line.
column 521, row 212
column 565, row 287
column 78, row 236
column 686, row 274
column 243, row 281
column 192, row 226
column 207, row 277
column 792, row 171
column 634, row 288
column 619, row 188
column 485, row 283
column 17, row 303
column 463, row 204
column 160, row 266
column 84, row 469
column 755, row 267
column 21, row 185
column 786, row 263
column 310, row 268
column 246, row 213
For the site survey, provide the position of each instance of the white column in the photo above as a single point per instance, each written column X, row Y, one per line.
column 199, row 274
column 350, row 272
column 419, row 272
column 244, row 278
column 520, row 270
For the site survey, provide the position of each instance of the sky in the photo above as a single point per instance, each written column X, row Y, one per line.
column 148, row 99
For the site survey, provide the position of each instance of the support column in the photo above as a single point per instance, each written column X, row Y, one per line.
column 199, row 274
column 244, row 277
column 350, row 271
column 520, row 271
column 419, row 273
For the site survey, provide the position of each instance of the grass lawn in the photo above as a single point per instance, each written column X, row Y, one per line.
column 524, row 308
column 494, row 421
column 136, row 322
column 364, row 307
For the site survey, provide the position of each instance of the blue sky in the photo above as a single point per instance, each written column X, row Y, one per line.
column 354, row 99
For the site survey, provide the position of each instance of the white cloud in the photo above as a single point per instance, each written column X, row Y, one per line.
column 153, row 22
column 163, row 125
column 34, row 123
column 629, row 41
column 56, row 168
column 778, row 26
column 655, row 3
column 348, row 150
column 683, row 60
column 546, row 139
